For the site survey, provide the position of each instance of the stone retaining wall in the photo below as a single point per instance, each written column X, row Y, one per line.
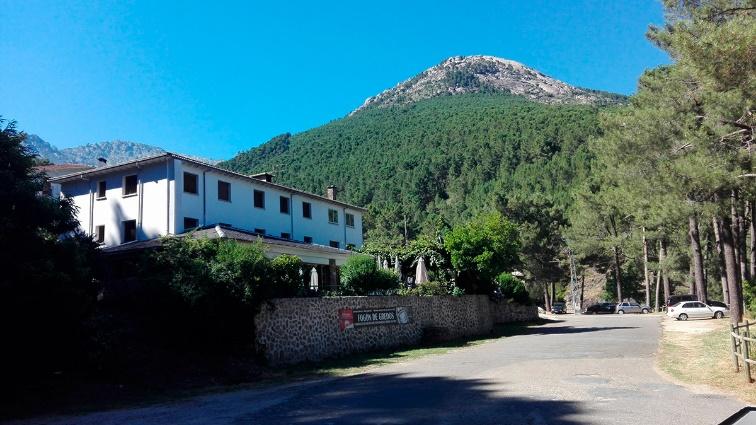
column 293, row 330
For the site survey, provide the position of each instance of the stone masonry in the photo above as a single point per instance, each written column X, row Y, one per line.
column 294, row 330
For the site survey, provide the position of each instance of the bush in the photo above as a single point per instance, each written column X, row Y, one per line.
column 286, row 277
column 360, row 276
column 481, row 249
column 205, row 291
column 513, row 288
column 428, row 289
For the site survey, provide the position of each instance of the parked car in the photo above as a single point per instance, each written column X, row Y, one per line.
column 696, row 310
column 674, row 299
column 559, row 308
column 631, row 307
column 713, row 304
column 601, row 308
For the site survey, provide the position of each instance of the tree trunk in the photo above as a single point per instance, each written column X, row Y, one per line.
column 747, row 227
column 735, row 229
column 752, row 226
column 582, row 288
column 645, row 266
column 722, row 272
column 731, row 268
column 656, row 299
column 662, row 270
column 546, row 300
column 617, row 274
column 553, row 293
column 742, row 236
column 696, row 258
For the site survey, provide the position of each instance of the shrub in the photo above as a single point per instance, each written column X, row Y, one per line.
column 481, row 249
column 206, row 291
column 286, row 278
column 360, row 276
column 428, row 289
column 513, row 288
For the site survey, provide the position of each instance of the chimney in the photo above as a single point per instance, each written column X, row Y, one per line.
column 101, row 162
column 331, row 192
column 266, row 177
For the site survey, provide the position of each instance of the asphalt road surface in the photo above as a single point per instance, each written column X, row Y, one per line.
column 583, row 370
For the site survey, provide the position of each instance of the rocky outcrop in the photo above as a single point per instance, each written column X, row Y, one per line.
column 475, row 74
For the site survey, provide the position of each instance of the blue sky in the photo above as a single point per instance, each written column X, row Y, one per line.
column 216, row 78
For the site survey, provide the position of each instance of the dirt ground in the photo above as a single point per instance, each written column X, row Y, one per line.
column 697, row 354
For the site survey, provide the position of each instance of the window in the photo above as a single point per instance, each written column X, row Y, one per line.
column 129, row 231
column 260, row 232
column 224, row 191
column 306, row 210
column 349, row 219
column 130, row 185
column 350, row 246
column 101, row 188
column 333, row 216
column 100, row 233
column 259, row 199
column 307, row 239
column 284, row 203
column 190, row 223
column 285, row 235
column 190, row 183
column 334, row 244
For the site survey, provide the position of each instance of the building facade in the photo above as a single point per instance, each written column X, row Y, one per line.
column 171, row 194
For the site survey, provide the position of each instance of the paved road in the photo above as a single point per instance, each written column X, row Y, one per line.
column 584, row 370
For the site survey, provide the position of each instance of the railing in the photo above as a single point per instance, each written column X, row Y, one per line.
column 740, row 337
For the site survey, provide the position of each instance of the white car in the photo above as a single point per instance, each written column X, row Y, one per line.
column 696, row 310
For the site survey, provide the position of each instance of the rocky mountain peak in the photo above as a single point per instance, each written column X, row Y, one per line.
column 489, row 74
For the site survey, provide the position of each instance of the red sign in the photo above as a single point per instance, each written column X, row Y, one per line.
column 346, row 319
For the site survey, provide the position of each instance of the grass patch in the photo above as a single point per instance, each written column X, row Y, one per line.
column 698, row 353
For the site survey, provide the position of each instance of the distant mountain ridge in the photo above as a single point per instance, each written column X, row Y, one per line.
column 488, row 74
column 116, row 152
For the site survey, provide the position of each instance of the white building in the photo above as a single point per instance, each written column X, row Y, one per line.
column 171, row 194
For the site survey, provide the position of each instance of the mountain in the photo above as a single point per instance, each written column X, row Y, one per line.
column 487, row 74
column 439, row 159
column 115, row 152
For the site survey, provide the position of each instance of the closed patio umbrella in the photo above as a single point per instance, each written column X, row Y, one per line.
column 385, row 264
column 421, row 274
column 314, row 279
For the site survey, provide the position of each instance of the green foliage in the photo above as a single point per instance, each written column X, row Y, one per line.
column 481, row 249
column 360, row 275
column 438, row 160
column 211, row 288
column 428, row 289
column 286, row 278
column 47, row 284
column 513, row 288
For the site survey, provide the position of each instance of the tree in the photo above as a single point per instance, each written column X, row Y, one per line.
column 481, row 249
column 48, row 286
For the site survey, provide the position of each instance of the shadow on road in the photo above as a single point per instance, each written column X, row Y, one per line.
column 402, row 399
column 572, row 329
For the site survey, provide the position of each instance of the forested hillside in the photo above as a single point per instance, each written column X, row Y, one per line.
column 448, row 157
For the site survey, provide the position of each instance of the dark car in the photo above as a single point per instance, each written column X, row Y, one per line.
column 601, row 308
column 712, row 303
column 674, row 299
column 559, row 308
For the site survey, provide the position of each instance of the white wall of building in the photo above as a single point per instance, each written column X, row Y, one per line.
column 240, row 212
column 161, row 205
column 149, row 207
